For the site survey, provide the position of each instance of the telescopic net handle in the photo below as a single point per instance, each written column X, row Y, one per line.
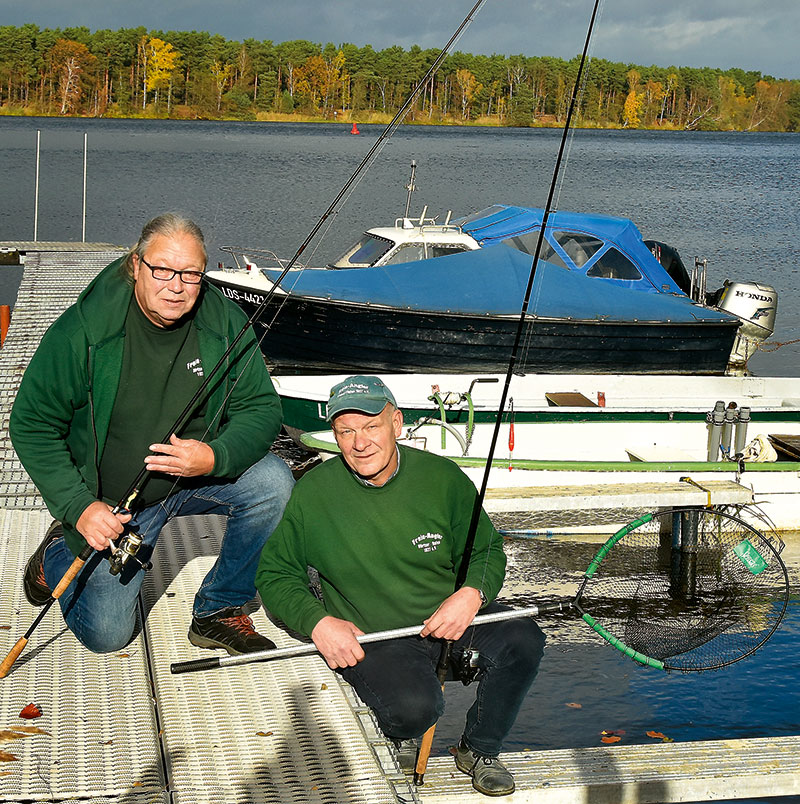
column 377, row 636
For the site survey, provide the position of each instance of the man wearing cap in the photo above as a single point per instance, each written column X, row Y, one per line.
column 385, row 526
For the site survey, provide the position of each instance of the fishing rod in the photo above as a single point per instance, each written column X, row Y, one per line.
column 131, row 542
column 444, row 659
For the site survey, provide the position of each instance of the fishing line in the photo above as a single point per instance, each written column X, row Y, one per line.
column 521, row 323
column 581, row 92
column 461, row 575
column 581, row 96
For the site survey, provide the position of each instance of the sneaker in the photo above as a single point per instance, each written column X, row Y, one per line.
column 407, row 751
column 231, row 629
column 489, row 775
column 33, row 583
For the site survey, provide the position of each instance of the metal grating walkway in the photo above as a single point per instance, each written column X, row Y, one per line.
column 50, row 283
column 120, row 727
column 102, row 739
column 283, row 732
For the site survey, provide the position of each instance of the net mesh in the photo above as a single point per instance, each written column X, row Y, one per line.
column 695, row 588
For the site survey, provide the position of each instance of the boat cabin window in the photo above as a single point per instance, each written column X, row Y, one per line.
column 614, row 265
column 408, row 252
column 580, row 248
column 364, row 253
column 443, row 249
column 527, row 244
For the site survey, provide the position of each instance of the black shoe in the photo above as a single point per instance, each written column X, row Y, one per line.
column 489, row 775
column 231, row 629
column 33, row 583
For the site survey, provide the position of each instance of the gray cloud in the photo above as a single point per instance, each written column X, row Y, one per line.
column 751, row 34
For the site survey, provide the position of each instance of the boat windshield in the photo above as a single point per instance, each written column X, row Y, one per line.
column 364, row 253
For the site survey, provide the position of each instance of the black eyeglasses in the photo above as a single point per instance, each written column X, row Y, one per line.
column 165, row 274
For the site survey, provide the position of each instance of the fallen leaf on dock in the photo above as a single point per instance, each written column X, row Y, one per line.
column 263, row 734
column 657, row 735
column 29, row 730
column 6, row 735
column 610, row 738
column 30, row 711
column 6, row 757
column 324, row 687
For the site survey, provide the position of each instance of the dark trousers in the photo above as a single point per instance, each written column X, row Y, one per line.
column 397, row 680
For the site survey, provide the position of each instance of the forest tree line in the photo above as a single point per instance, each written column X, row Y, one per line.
column 133, row 72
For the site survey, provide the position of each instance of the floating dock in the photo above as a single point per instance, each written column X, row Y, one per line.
column 120, row 728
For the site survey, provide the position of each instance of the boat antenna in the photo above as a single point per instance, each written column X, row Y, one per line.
column 134, row 488
column 461, row 576
column 411, row 186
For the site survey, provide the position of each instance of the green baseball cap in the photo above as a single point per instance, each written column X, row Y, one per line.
column 364, row 394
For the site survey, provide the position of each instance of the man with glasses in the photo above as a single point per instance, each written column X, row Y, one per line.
column 109, row 379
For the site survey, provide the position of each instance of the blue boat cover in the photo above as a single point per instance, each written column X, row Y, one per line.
column 492, row 281
column 500, row 221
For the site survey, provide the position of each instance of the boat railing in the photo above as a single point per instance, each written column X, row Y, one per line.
column 697, row 291
column 248, row 259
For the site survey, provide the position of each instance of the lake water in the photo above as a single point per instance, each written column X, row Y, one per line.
column 731, row 198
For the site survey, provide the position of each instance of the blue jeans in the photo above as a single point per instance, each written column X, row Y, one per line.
column 397, row 680
column 100, row 608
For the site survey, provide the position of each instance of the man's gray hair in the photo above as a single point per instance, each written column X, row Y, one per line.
column 167, row 225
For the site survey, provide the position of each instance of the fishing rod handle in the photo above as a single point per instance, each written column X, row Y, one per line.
column 422, row 757
column 8, row 662
column 61, row 586
column 427, row 739
column 74, row 568
column 307, row 649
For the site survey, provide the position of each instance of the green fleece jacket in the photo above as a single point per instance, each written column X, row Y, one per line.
column 60, row 417
column 387, row 556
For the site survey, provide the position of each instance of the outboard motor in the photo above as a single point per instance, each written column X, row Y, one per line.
column 756, row 305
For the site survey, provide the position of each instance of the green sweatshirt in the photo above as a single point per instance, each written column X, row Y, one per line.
column 387, row 556
column 60, row 419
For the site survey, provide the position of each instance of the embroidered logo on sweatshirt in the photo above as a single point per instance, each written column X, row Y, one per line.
column 427, row 542
column 195, row 366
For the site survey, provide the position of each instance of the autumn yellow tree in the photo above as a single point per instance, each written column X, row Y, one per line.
column 320, row 79
column 69, row 61
column 161, row 61
column 653, row 93
column 632, row 111
column 468, row 87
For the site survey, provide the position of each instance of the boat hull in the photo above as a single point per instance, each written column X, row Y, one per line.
column 308, row 335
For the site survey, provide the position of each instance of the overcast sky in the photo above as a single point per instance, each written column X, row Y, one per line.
column 751, row 34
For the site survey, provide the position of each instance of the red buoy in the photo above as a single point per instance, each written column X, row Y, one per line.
column 354, row 129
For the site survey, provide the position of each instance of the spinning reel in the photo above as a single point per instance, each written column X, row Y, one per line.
column 468, row 669
column 124, row 551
